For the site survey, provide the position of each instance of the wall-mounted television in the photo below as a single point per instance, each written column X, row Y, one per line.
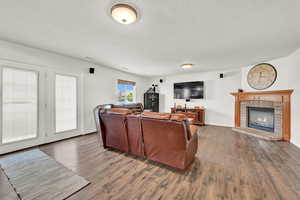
column 189, row 90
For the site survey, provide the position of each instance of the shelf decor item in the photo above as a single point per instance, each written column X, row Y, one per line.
column 262, row 76
column 151, row 101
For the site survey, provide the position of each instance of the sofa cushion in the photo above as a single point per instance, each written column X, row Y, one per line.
column 155, row 115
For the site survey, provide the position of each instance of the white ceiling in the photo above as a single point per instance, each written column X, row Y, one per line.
column 212, row 34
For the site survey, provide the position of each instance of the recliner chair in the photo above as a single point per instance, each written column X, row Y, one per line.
column 169, row 140
column 114, row 130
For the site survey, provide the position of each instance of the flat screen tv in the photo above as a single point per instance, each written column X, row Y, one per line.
column 189, row 90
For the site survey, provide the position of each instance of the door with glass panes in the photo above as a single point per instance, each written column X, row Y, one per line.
column 27, row 103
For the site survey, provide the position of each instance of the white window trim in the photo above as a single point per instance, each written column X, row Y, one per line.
column 134, row 93
column 17, row 145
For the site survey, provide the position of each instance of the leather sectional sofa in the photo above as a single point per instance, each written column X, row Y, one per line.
column 162, row 137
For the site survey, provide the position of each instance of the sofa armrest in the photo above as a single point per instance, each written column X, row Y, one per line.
column 193, row 130
column 101, row 136
column 192, row 146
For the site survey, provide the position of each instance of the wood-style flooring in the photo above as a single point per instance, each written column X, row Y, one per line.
column 229, row 165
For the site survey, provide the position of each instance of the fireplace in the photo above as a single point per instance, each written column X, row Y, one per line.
column 261, row 118
column 265, row 114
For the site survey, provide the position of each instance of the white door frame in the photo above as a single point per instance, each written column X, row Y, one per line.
column 11, row 146
column 46, row 117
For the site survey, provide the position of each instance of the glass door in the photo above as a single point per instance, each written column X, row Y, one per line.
column 37, row 106
column 66, row 117
column 19, row 105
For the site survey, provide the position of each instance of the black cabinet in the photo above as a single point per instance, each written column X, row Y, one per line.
column 151, row 101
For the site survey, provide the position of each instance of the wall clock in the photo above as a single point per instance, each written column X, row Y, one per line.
column 262, row 76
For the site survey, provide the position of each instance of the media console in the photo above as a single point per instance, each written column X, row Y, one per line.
column 198, row 114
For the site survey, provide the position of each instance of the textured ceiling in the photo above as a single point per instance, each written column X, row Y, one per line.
column 212, row 34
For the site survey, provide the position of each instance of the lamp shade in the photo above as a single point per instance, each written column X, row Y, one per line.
column 124, row 13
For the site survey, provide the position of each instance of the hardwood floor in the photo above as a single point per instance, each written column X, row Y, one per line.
column 229, row 165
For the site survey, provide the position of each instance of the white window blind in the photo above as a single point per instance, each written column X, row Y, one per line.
column 65, row 103
column 19, row 104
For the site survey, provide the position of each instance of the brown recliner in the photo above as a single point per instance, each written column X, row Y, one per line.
column 169, row 139
column 114, row 130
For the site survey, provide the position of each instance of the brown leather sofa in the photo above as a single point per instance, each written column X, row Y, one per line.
column 161, row 137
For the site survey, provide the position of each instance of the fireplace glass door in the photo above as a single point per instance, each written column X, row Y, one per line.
column 261, row 118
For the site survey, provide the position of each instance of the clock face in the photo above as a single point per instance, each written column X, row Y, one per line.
column 262, row 76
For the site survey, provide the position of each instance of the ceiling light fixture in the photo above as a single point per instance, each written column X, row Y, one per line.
column 186, row 66
column 124, row 13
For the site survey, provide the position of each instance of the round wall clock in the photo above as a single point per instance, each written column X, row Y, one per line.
column 262, row 76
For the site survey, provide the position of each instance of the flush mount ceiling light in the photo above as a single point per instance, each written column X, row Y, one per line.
column 124, row 13
column 186, row 66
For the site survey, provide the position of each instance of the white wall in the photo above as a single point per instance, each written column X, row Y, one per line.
column 288, row 69
column 99, row 88
column 218, row 102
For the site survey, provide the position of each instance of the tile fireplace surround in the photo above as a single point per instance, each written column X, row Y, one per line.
column 280, row 101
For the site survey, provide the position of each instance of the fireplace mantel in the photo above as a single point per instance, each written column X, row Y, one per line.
column 283, row 96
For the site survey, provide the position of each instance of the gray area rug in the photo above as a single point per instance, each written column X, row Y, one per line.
column 34, row 175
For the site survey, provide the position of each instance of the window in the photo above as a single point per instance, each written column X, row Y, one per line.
column 65, row 103
column 126, row 91
column 19, row 104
